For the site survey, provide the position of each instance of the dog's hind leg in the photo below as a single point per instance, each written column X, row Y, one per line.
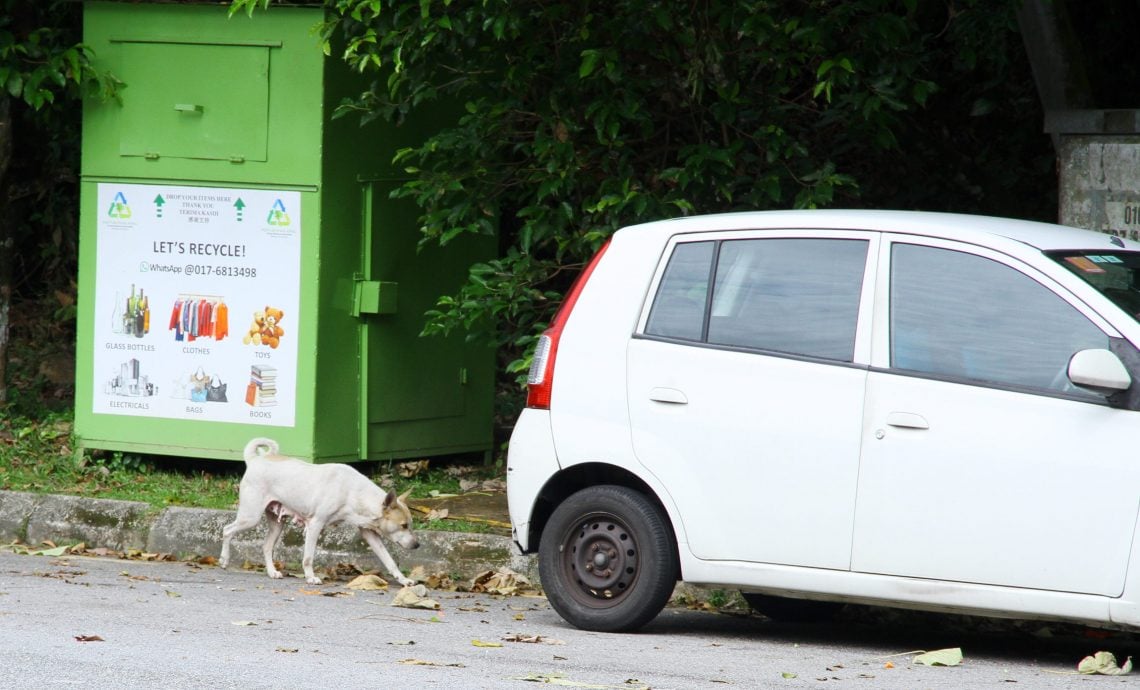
column 312, row 534
column 381, row 552
column 267, row 549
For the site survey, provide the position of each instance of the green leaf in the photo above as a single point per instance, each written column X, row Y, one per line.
column 57, row 551
column 15, row 85
column 941, row 657
column 589, row 62
column 1104, row 664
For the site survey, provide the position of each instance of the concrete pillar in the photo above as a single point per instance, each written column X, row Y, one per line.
column 1098, row 156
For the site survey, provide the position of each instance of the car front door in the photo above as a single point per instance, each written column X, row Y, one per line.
column 746, row 384
column 981, row 463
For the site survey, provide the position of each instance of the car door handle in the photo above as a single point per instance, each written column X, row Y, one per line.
column 668, row 395
column 907, row 420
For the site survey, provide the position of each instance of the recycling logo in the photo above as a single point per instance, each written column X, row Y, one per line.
column 119, row 207
column 277, row 215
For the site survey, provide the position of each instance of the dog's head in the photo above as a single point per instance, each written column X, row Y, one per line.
column 396, row 520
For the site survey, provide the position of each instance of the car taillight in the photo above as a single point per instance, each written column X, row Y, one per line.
column 540, row 379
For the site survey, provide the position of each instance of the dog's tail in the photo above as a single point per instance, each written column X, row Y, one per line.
column 252, row 448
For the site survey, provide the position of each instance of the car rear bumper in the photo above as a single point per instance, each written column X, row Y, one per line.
column 531, row 462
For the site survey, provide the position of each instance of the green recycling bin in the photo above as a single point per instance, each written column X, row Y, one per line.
column 242, row 270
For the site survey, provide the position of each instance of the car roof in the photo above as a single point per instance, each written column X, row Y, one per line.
column 956, row 226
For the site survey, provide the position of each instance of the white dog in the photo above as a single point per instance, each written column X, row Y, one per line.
column 315, row 496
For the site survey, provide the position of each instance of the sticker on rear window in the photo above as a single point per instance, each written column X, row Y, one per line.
column 1084, row 264
column 1106, row 259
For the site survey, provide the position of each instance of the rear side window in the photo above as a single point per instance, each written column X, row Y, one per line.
column 798, row 296
column 679, row 308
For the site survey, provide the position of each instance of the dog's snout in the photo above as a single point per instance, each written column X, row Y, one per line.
column 410, row 542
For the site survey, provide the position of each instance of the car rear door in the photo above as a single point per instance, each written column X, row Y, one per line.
column 746, row 385
column 980, row 462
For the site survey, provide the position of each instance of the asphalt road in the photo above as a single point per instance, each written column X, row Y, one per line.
column 108, row 623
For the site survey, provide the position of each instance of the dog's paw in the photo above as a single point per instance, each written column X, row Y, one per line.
column 407, row 582
column 223, row 564
column 275, row 574
column 313, row 580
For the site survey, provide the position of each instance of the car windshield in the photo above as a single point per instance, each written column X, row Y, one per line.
column 1115, row 274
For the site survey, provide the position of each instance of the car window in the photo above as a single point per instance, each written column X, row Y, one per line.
column 1116, row 274
column 962, row 315
column 799, row 296
column 679, row 307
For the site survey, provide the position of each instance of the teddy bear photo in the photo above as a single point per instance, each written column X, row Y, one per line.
column 253, row 335
column 271, row 332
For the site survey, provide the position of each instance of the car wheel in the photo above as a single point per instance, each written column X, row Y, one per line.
column 787, row 610
column 607, row 559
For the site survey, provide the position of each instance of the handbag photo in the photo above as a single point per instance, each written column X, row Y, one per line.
column 216, row 391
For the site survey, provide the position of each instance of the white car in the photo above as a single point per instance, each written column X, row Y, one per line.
column 908, row 409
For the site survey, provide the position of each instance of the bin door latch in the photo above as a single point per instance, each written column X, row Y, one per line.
column 373, row 297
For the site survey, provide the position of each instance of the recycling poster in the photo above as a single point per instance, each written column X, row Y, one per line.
column 197, row 303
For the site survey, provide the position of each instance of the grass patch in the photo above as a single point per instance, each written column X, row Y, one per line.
column 36, row 456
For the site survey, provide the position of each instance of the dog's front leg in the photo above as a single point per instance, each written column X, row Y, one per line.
column 269, row 546
column 381, row 552
column 312, row 534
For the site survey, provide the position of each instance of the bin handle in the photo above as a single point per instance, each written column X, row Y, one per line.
column 189, row 108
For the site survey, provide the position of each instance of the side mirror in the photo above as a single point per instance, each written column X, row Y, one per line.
column 1099, row 371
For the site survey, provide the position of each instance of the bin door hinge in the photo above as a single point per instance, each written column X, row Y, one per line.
column 373, row 297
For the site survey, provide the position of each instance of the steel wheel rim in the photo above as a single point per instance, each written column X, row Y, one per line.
column 600, row 559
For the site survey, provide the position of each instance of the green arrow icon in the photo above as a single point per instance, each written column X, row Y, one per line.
column 239, row 205
column 158, row 202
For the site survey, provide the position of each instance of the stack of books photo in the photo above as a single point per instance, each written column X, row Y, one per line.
column 262, row 388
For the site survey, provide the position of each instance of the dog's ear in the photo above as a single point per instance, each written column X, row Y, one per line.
column 389, row 499
column 404, row 497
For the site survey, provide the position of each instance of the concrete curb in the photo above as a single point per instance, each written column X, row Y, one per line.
column 184, row 532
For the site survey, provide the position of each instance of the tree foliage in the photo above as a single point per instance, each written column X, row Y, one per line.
column 576, row 118
column 44, row 71
column 579, row 118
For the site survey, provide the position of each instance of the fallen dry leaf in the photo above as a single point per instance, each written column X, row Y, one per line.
column 433, row 581
column 531, row 639
column 288, row 650
column 343, row 571
column 368, row 583
column 421, row 662
column 561, row 679
column 481, row 643
column 941, row 657
column 89, row 638
column 411, row 469
column 414, row 597
column 503, row 581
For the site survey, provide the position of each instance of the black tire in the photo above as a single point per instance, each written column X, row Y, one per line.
column 787, row 610
column 608, row 559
